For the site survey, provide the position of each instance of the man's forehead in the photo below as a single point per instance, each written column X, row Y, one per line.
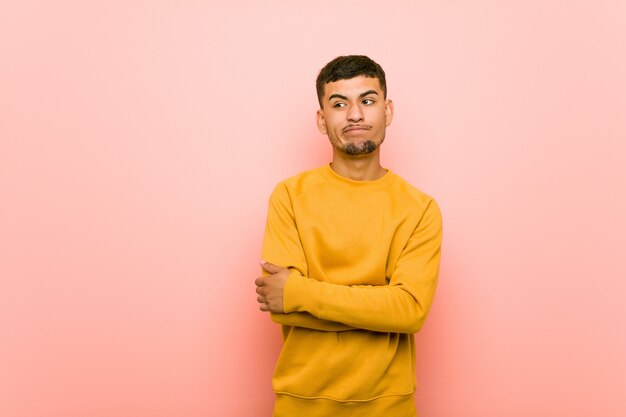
column 352, row 86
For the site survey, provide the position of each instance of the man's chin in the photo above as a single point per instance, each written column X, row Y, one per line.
column 358, row 149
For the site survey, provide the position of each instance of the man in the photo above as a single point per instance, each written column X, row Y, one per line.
column 351, row 260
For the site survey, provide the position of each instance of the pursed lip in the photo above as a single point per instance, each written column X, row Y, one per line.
column 355, row 128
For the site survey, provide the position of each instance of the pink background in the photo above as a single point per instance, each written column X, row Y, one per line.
column 139, row 142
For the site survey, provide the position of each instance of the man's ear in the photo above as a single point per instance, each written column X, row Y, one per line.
column 388, row 112
column 321, row 123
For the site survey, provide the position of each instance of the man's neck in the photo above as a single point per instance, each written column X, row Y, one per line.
column 358, row 168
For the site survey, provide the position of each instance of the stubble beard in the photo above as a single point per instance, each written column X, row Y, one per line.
column 362, row 148
column 357, row 148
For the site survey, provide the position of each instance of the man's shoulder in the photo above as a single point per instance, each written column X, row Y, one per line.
column 315, row 175
column 404, row 189
column 303, row 181
column 314, row 180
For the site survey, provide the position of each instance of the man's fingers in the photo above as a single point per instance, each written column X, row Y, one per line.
column 268, row 285
column 271, row 268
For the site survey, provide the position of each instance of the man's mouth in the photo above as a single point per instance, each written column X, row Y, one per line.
column 355, row 128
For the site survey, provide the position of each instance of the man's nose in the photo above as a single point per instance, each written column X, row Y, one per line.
column 355, row 114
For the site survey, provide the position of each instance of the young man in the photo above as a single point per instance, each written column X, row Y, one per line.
column 351, row 260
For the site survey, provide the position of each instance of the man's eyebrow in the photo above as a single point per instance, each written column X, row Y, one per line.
column 368, row 92
column 337, row 96
column 342, row 97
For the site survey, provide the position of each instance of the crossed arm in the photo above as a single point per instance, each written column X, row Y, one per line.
column 270, row 290
column 293, row 299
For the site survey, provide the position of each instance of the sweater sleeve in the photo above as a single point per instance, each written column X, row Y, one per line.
column 282, row 247
column 401, row 306
column 308, row 321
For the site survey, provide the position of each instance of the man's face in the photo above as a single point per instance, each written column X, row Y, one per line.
column 354, row 115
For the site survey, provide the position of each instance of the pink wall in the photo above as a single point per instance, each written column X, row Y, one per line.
column 139, row 141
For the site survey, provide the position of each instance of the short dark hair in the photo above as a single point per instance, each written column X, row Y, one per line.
column 347, row 67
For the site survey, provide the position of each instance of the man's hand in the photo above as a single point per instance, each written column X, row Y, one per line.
column 270, row 288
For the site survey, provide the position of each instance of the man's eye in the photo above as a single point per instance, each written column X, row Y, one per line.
column 340, row 104
column 368, row 101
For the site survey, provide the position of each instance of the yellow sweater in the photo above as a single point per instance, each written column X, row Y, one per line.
column 364, row 260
